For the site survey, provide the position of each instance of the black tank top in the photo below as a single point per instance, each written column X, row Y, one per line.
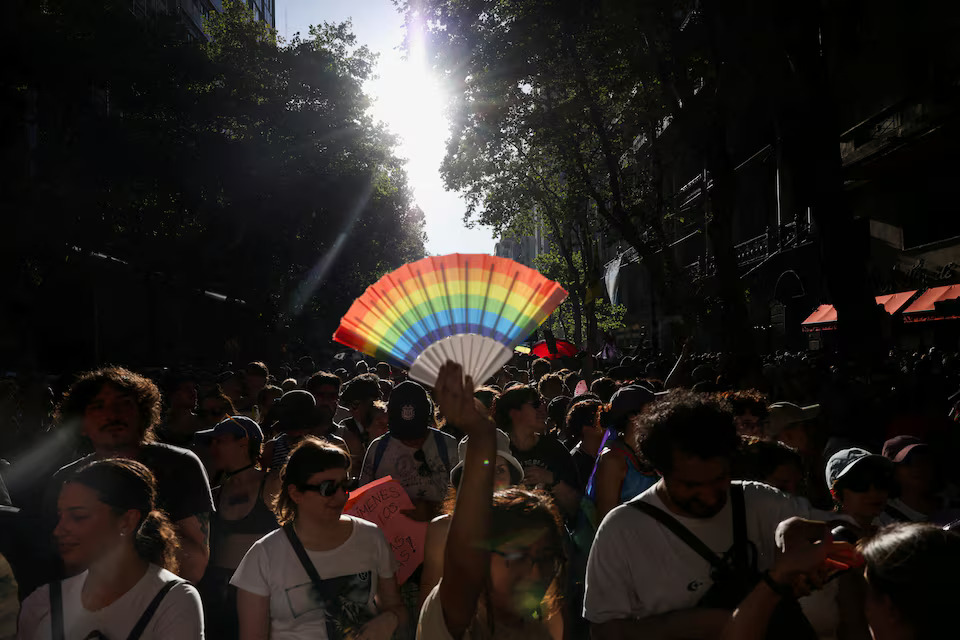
column 257, row 523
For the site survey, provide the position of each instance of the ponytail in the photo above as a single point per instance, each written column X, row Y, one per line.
column 156, row 542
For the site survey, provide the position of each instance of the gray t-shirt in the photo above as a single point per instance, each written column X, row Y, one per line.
column 180, row 614
column 426, row 479
column 350, row 575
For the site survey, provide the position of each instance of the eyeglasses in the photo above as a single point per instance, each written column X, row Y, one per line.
column 424, row 469
column 549, row 561
column 328, row 488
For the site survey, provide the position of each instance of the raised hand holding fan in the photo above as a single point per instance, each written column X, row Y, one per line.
column 472, row 309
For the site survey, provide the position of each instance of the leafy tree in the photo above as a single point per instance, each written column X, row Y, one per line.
column 241, row 165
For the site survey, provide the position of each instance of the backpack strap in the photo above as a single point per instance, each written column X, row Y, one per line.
column 440, row 440
column 378, row 454
column 151, row 609
column 740, row 540
column 56, row 611
column 681, row 532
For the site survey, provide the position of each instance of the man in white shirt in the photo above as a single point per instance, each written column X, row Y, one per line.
column 642, row 579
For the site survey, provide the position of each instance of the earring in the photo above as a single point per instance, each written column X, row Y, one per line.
column 123, row 533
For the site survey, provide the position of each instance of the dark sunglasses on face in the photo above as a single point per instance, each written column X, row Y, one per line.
column 328, row 488
column 861, row 481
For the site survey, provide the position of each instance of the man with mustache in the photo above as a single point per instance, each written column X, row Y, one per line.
column 653, row 570
column 117, row 411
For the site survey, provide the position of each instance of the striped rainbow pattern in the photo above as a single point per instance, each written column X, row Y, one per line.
column 408, row 310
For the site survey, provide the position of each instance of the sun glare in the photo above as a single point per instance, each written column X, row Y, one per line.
column 409, row 100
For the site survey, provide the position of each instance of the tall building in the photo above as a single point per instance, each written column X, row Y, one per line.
column 265, row 10
column 189, row 12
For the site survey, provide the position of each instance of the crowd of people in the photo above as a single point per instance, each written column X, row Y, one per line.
column 648, row 496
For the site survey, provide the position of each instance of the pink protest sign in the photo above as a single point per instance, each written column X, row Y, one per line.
column 581, row 388
column 382, row 503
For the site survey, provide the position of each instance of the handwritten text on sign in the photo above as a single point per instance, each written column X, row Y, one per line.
column 382, row 503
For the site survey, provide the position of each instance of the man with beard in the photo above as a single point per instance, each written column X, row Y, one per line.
column 118, row 410
column 645, row 578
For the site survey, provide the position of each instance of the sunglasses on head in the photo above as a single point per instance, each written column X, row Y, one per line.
column 328, row 488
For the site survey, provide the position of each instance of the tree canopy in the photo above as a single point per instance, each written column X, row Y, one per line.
column 242, row 165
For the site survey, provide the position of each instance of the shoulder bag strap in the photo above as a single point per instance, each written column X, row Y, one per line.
column 740, row 541
column 378, row 454
column 151, row 609
column 301, row 553
column 331, row 610
column 680, row 531
column 56, row 611
column 440, row 440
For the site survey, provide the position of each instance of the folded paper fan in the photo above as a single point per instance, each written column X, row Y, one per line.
column 471, row 309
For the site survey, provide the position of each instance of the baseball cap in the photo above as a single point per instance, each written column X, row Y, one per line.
column 409, row 410
column 503, row 451
column 900, row 447
column 239, row 426
column 783, row 414
column 843, row 461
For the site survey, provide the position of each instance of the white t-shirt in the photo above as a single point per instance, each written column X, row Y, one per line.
column 433, row 626
column 638, row 568
column 399, row 462
column 180, row 614
column 349, row 573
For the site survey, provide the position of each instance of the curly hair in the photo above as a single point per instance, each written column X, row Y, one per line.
column 123, row 485
column 697, row 424
column 144, row 392
column 581, row 414
column 312, row 455
column 745, row 400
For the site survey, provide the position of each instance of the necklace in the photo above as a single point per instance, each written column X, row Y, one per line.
column 229, row 474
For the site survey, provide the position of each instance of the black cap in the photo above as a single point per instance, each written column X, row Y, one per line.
column 409, row 410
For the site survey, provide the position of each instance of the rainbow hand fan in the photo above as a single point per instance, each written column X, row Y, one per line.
column 472, row 309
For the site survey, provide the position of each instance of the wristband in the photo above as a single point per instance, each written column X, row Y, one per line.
column 782, row 590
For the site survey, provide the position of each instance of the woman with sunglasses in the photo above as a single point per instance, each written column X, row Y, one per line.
column 522, row 413
column 504, row 553
column 110, row 525
column 324, row 575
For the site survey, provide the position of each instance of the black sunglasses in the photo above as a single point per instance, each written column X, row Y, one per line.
column 328, row 488
column 860, row 480
column 424, row 469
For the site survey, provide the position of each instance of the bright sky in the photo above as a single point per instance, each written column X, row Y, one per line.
column 409, row 100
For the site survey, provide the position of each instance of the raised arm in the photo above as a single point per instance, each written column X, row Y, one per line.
column 466, row 558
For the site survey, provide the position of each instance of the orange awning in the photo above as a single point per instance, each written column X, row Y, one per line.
column 928, row 300
column 827, row 313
